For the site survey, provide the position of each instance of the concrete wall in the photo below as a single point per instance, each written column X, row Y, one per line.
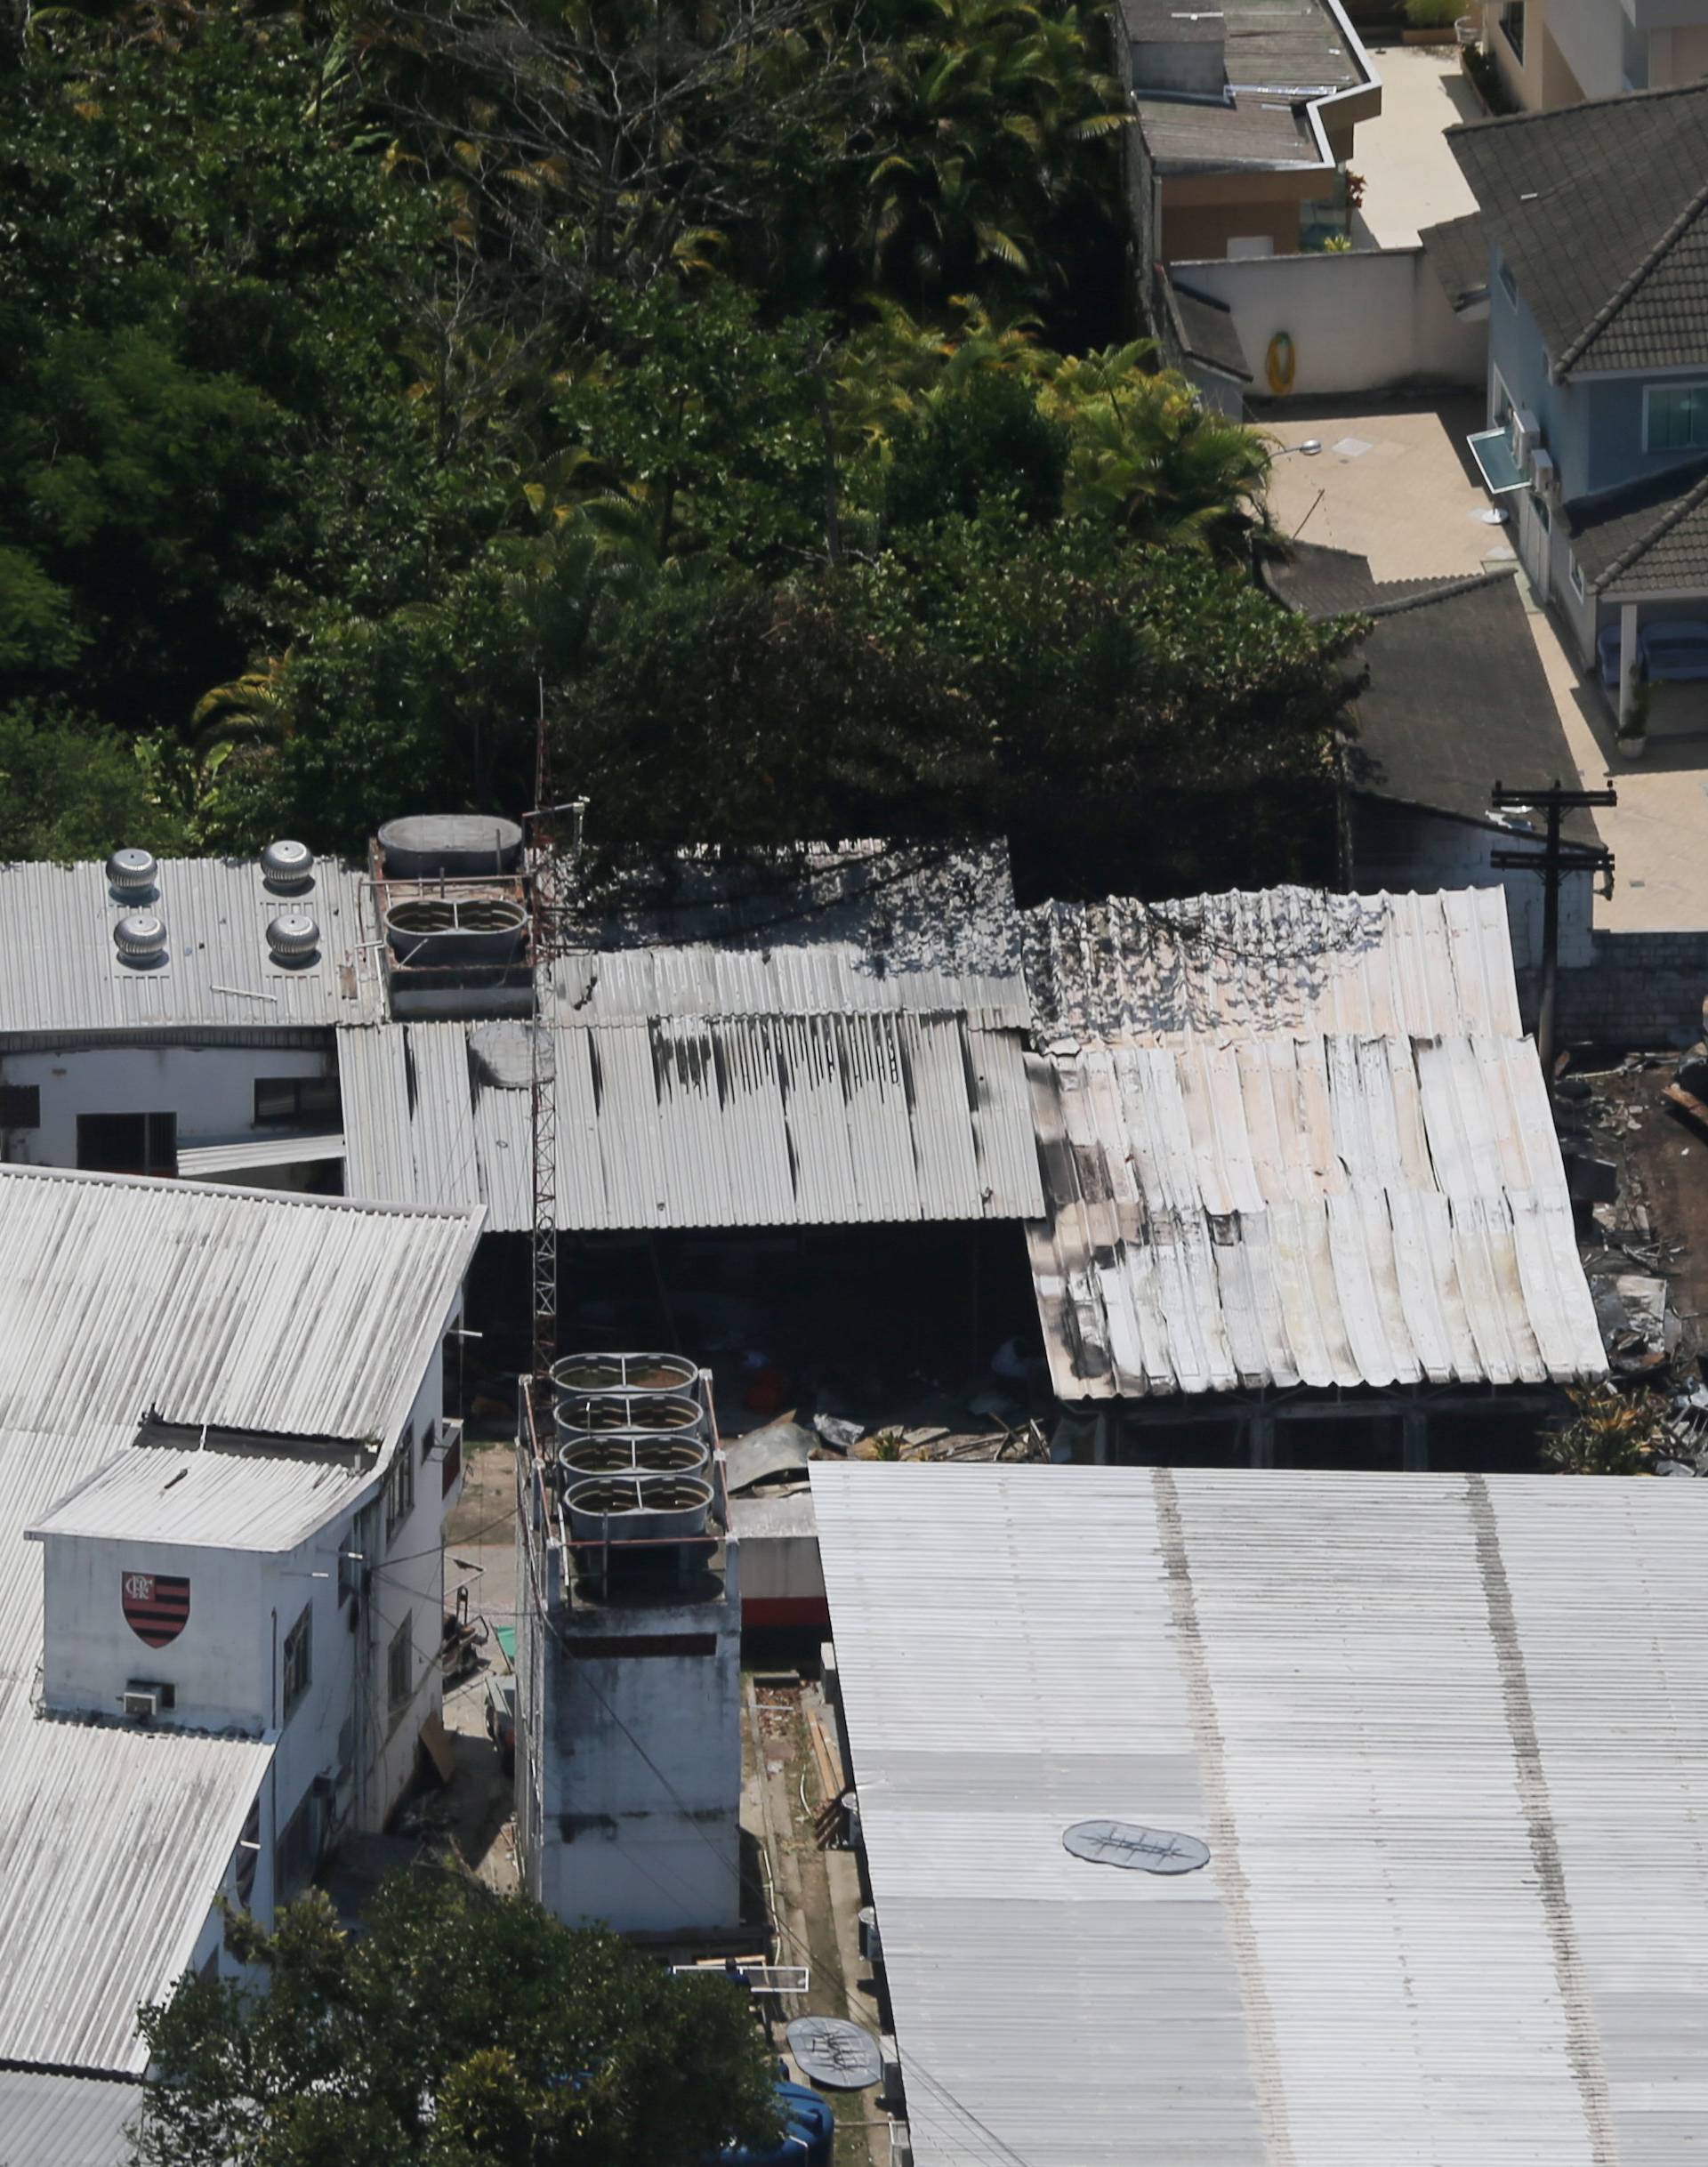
column 1640, row 991
column 1368, row 320
column 211, row 1090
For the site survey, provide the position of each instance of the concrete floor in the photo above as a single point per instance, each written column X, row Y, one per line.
column 1412, row 178
column 1392, row 483
column 479, row 1551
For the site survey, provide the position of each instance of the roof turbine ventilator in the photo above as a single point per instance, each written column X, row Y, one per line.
column 140, row 937
column 130, row 873
column 287, row 868
column 293, row 938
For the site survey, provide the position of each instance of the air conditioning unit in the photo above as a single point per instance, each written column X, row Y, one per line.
column 141, row 1707
column 1526, row 433
column 1544, row 477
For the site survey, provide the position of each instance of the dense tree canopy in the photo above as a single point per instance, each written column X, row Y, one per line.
column 461, row 2029
column 729, row 383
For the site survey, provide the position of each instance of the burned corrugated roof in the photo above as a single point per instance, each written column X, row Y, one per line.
column 1295, row 1138
column 766, row 1119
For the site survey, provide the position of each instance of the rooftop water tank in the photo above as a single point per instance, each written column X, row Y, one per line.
column 604, row 1413
column 292, row 939
column 287, row 868
column 140, row 936
column 424, row 845
column 637, row 1508
column 617, row 1372
column 633, row 1456
column 439, row 931
column 131, row 873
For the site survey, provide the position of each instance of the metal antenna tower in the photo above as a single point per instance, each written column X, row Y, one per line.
column 551, row 879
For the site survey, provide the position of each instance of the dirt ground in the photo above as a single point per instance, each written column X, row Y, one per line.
column 1662, row 1209
column 480, row 1555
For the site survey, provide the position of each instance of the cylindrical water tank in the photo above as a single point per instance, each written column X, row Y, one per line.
column 633, row 1456
column 617, row 1372
column 603, row 1413
column 637, row 1508
column 436, row 932
column 424, row 846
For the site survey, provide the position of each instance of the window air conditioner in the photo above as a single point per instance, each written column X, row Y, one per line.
column 1527, row 431
column 1544, row 477
column 141, row 1707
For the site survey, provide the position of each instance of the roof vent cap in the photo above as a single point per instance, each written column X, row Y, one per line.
column 286, row 866
column 140, row 939
column 294, row 938
column 132, row 872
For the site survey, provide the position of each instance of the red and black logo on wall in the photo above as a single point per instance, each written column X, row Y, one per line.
column 156, row 1607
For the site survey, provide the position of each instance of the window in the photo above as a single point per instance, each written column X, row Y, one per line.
column 1512, row 27
column 1509, row 284
column 1576, row 571
column 399, row 1668
column 128, row 1143
column 299, row 1660
column 401, row 1485
column 427, row 1440
column 297, row 1852
column 295, row 1099
column 20, row 1106
column 356, row 1553
column 1675, row 417
column 1539, row 506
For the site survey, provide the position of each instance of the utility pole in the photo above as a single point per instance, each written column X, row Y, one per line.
column 1553, row 861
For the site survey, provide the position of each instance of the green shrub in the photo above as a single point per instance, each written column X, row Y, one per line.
column 1433, row 14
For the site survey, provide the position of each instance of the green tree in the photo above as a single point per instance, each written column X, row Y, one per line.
column 461, row 2029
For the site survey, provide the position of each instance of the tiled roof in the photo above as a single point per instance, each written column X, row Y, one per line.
column 1337, row 583
column 1457, row 252
column 1206, row 330
column 1600, row 212
column 1651, row 538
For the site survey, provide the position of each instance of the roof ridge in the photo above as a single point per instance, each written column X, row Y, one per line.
column 1670, row 516
column 1616, row 300
column 1423, row 597
column 97, row 1177
column 1491, row 121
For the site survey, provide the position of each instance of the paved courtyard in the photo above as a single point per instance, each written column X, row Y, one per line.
column 1391, row 482
column 1411, row 178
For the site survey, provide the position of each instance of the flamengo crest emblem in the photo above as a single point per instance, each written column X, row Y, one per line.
column 157, row 1608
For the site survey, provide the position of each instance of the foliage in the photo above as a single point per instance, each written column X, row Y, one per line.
column 980, row 675
column 1432, row 14
column 462, row 2029
column 68, row 786
column 1610, row 1433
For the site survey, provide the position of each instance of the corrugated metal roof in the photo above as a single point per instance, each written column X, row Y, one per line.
column 1296, row 1138
column 113, row 1842
column 249, row 1310
column 225, row 1494
column 245, row 1308
column 63, row 973
column 212, row 1162
column 1287, row 960
column 1335, row 1211
column 831, row 979
column 1442, row 1735
column 750, row 1120
column 64, row 2121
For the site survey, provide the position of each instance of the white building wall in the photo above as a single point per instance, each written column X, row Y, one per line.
column 210, row 1089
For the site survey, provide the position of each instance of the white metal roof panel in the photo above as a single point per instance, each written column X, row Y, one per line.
column 245, row 1308
column 113, row 1842
column 66, row 2121
column 1288, row 961
column 63, row 976
column 218, row 1162
column 214, row 1496
column 749, row 1121
column 1442, row 1734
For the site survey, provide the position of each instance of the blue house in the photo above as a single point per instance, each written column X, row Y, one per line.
column 1590, row 252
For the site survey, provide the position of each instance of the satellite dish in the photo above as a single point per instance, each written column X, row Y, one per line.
column 1135, row 1848
column 834, row 2052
